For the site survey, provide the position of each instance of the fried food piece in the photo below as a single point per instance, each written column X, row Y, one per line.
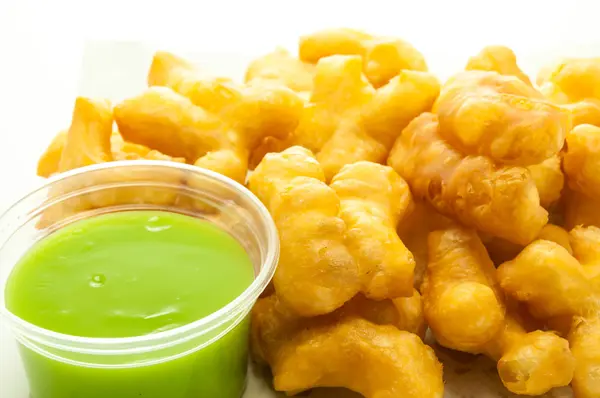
column 501, row 250
column 162, row 119
column 90, row 141
column 413, row 231
column 317, row 273
column 486, row 113
column 49, row 162
column 87, row 142
column 346, row 120
column 571, row 80
column 350, row 229
column 465, row 309
column 580, row 209
column 499, row 59
column 88, row 138
column 584, row 339
column 256, row 110
column 384, row 57
column 373, row 198
column 558, row 235
column 405, row 313
column 212, row 122
column 123, row 150
column 546, row 277
column 530, row 363
column 282, row 68
column 549, row 180
column 582, row 160
column 586, row 249
column 585, row 112
column 331, row 351
column 500, row 201
column 462, row 301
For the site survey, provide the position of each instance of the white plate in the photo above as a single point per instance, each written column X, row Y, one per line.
column 116, row 70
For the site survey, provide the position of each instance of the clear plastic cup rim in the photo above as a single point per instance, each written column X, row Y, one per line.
column 151, row 341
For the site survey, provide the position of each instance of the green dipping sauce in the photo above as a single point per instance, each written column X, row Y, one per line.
column 130, row 274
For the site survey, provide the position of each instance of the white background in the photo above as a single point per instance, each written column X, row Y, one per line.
column 42, row 55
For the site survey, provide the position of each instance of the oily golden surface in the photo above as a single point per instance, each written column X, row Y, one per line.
column 571, row 80
column 549, row 180
column 500, row 250
column 585, row 345
column 282, row 68
column 346, row 120
column 586, row 249
column 377, row 361
column 405, row 313
column 373, row 198
column 317, row 272
column 486, row 113
column 221, row 123
column 414, row 230
column 49, row 162
column 499, row 200
column 585, row 112
column 88, row 138
column 582, row 160
column 162, row 119
column 557, row 287
column 338, row 240
column 465, row 309
column 462, row 301
column 383, row 57
column 548, row 279
column 531, row 363
column 123, row 150
column 499, row 59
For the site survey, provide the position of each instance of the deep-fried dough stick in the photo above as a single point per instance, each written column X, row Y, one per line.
column 88, row 138
column 338, row 240
column 346, row 120
column 571, row 80
column 548, row 279
column 501, row 250
column 586, row 249
column 212, row 122
column 485, row 113
column 337, row 350
column 530, row 363
column 465, row 309
column 317, row 273
column 549, row 180
column 373, row 198
column 582, row 160
column 584, row 338
column 575, row 84
column 414, row 230
column 282, row 68
column 162, row 119
column 49, row 162
column 499, row 59
column 462, row 302
column 501, row 201
column 406, row 313
column 555, row 286
column 384, row 57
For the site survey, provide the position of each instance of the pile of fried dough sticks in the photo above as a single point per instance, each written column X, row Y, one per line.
column 469, row 208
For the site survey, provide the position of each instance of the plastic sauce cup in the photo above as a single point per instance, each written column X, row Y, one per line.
column 206, row 358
